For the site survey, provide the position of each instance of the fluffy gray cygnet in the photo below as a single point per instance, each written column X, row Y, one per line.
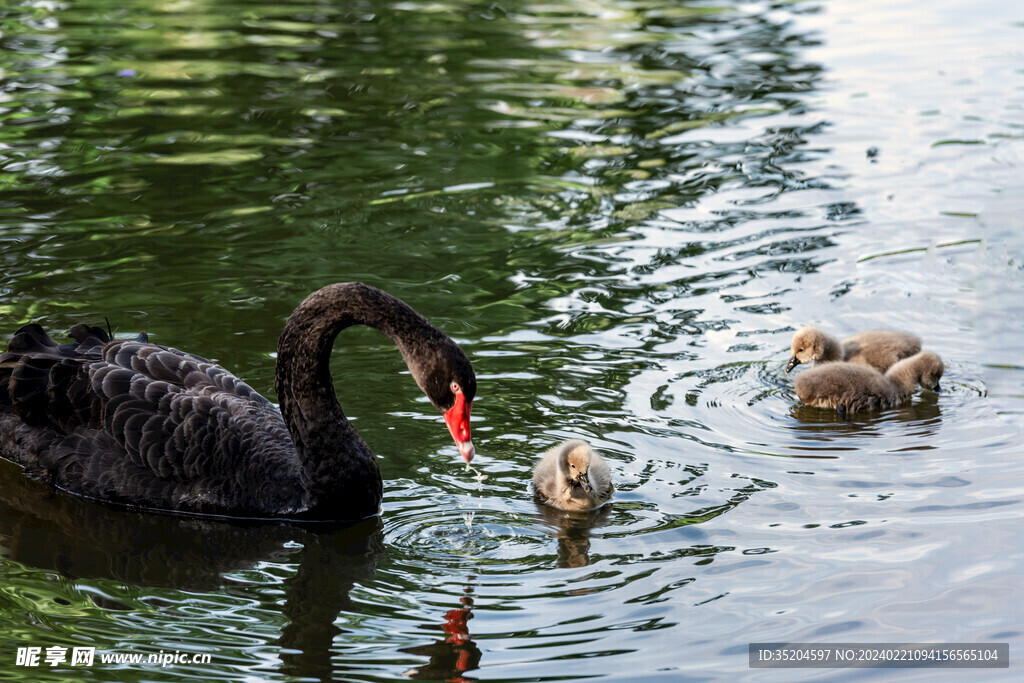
column 880, row 349
column 572, row 476
column 851, row 388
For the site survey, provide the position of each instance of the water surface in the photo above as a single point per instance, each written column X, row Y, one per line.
column 622, row 211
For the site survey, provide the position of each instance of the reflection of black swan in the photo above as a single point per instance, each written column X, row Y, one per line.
column 80, row 540
column 135, row 423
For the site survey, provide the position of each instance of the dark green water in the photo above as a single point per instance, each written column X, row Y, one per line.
column 622, row 211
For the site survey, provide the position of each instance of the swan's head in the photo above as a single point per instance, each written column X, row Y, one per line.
column 446, row 376
column 575, row 463
column 808, row 346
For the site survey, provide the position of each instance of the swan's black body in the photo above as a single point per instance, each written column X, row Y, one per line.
column 135, row 423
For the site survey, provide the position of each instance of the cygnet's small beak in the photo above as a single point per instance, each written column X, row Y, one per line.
column 937, row 388
column 584, row 481
column 793, row 362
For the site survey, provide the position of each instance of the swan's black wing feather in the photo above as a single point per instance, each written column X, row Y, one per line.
column 137, row 423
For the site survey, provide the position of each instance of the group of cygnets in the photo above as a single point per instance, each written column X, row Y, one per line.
column 869, row 371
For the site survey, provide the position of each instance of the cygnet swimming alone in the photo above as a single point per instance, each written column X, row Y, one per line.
column 572, row 476
column 880, row 349
column 852, row 388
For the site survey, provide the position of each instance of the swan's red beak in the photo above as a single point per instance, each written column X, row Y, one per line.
column 457, row 419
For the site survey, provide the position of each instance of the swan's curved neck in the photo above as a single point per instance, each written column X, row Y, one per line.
column 336, row 461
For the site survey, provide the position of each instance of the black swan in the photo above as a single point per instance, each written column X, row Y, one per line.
column 880, row 349
column 851, row 388
column 572, row 476
column 150, row 427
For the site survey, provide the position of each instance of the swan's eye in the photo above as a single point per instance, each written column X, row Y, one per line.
column 455, row 388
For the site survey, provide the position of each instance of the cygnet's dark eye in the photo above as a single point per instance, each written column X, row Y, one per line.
column 572, row 466
column 800, row 350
